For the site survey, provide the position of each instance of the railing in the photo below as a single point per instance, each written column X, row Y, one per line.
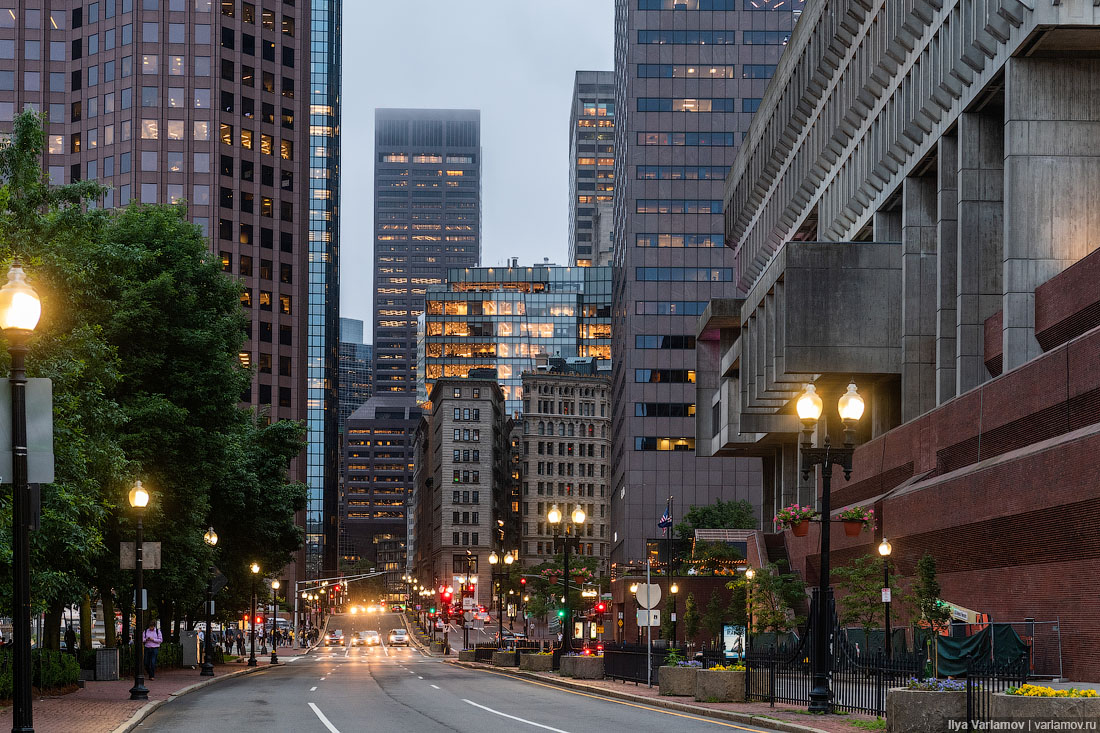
column 627, row 662
column 985, row 677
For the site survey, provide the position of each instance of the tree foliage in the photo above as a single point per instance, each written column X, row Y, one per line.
column 737, row 514
column 773, row 598
column 927, row 592
column 714, row 616
column 861, row 600
column 691, row 618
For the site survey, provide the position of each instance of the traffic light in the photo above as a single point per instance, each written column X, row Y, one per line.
column 337, row 587
column 523, row 581
column 431, row 610
column 561, row 613
column 601, row 607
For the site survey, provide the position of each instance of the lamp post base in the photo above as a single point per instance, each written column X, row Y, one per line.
column 821, row 697
column 139, row 692
column 274, row 658
column 207, row 670
column 252, row 662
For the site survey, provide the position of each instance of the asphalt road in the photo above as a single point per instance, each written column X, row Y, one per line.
column 347, row 690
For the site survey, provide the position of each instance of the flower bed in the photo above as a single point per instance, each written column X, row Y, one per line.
column 1071, row 708
column 536, row 662
column 719, row 685
column 925, row 706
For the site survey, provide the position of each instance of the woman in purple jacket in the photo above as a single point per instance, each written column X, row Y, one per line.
column 152, row 640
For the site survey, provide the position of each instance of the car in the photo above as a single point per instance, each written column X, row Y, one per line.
column 398, row 637
column 334, row 638
column 396, row 608
column 371, row 638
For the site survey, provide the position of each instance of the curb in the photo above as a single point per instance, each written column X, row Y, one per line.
column 146, row 710
column 727, row 715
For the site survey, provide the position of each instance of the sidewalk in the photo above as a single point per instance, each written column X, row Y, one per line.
column 106, row 707
column 781, row 717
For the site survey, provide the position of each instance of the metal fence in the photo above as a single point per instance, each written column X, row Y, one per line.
column 985, row 677
column 627, row 662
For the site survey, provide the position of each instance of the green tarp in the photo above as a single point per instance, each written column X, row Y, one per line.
column 1001, row 642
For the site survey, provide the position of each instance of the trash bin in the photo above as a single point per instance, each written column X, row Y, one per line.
column 189, row 654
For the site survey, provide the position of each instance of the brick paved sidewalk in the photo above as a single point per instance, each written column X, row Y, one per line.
column 102, row 707
column 761, row 712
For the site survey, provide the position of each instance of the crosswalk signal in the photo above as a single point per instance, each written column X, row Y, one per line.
column 561, row 613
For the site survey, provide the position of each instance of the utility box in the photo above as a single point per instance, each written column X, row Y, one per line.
column 106, row 665
column 189, row 653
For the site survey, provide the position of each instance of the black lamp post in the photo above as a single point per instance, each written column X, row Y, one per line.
column 809, row 406
column 20, row 309
column 255, row 568
column 562, row 532
column 498, row 577
column 470, row 560
column 750, row 574
column 207, row 669
column 139, row 499
column 885, row 549
column 274, row 621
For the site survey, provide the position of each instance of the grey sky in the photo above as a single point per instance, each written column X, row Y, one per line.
column 512, row 59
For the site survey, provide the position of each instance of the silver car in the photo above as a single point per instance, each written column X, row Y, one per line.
column 398, row 637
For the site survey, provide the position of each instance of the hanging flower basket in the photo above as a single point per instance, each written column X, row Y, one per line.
column 796, row 518
column 856, row 519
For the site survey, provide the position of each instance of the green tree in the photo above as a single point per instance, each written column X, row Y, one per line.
column 691, row 619
column 668, row 626
column 927, row 593
column 773, row 598
column 737, row 514
column 738, row 609
column 861, row 601
column 714, row 616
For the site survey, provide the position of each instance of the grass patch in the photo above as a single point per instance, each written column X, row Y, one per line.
column 876, row 724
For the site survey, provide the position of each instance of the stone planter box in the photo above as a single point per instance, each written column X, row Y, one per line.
column 717, row 685
column 467, row 655
column 1068, row 710
column 921, row 711
column 504, row 659
column 677, row 680
column 437, row 647
column 536, row 662
column 582, row 668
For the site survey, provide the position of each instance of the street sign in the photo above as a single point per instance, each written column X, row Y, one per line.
column 620, row 623
column 150, row 556
column 468, row 603
column 885, row 595
column 39, row 432
column 599, row 629
column 468, row 615
column 649, row 618
column 648, row 595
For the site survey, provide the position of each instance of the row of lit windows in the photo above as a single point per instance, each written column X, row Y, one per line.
column 266, row 270
column 466, row 477
column 596, row 161
column 248, row 15
column 684, row 274
column 248, row 141
column 714, row 38
column 673, row 376
column 684, row 71
column 595, row 123
column 664, row 444
column 691, row 139
column 679, row 240
column 425, row 158
column 679, row 206
column 669, row 104
column 783, row 5
column 682, row 172
column 664, row 409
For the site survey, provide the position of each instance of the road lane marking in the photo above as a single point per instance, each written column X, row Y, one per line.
column 624, row 702
column 347, row 652
column 513, row 717
column 313, row 689
column 322, row 679
column 419, row 677
column 325, row 721
column 436, row 686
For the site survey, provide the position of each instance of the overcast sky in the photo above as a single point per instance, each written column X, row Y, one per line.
column 512, row 59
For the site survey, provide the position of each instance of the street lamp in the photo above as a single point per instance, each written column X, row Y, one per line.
column 274, row 618
column 674, row 589
column 139, row 499
column 210, row 537
column 885, row 549
column 749, row 575
column 562, row 530
column 255, row 568
column 637, row 625
column 498, row 576
column 809, row 407
column 20, row 309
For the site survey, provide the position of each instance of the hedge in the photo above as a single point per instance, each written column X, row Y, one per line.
column 49, row 670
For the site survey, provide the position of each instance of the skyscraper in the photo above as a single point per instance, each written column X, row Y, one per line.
column 355, row 369
column 687, row 83
column 591, row 168
column 209, row 103
column 427, row 219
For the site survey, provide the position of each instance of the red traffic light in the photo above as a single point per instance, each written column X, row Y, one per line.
column 523, row 581
column 259, row 619
column 601, row 607
column 337, row 587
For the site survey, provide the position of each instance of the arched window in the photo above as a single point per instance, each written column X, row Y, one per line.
column 603, row 431
column 542, row 428
column 591, row 430
column 570, row 430
column 561, row 429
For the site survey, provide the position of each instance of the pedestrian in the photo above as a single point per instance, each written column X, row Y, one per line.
column 152, row 640
column 70, row 640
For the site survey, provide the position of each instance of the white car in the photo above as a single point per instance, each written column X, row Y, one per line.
column 398, row 637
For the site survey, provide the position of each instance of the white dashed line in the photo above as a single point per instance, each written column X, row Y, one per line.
column 321, row 716
column 511, row 717
column 419, row 677
column 313, row 689
column 436, row 686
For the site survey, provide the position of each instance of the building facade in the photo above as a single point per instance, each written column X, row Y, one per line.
column 356, row 363
column 378, row 466
column 427, row 219
column 464, row 460
column 918, row 214
column 689, row 75
column 566, row 457
column 591, row 168
column 207, row 104
column 506, row 318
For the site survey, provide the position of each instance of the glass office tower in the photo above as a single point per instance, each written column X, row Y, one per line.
column 506, row 318
column 689, row 75
column 591, row 168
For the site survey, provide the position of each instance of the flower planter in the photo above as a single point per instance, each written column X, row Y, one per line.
column 852, row 529
column 801, row 529
column 923, row 711
column 582, row 668
column 719, row 685
column 1066, row 710
column 467, row 655
column 536, row 662
column 504, row 658
column 677, row 680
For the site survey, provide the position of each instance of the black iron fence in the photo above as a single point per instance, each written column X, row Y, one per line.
column 984, row 677
column 627, row 662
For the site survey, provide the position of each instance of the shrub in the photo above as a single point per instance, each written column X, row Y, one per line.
column 932, row 684
column 49, row 671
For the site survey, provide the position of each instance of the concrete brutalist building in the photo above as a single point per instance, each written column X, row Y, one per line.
column 689, row 75
column 913, row 209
